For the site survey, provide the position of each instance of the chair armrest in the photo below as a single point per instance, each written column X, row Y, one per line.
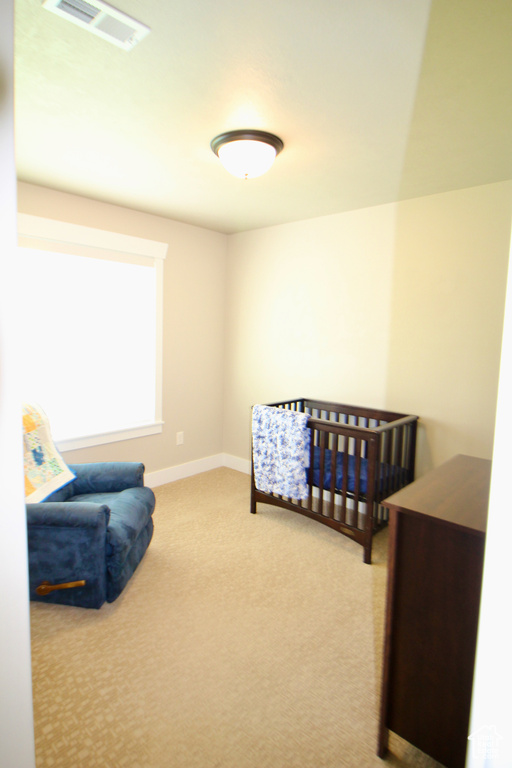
column 67, row 542
column 107, row 476
column 67, row 514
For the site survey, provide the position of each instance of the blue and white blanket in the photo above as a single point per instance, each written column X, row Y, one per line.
column 280, row 450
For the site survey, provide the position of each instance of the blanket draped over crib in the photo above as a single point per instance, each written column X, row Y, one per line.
column 281, row 445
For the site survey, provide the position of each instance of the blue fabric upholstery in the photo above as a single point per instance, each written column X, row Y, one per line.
column 96, row 528
column 116, row 584
column 130, row 511
column 67, row 542
column 106, row 477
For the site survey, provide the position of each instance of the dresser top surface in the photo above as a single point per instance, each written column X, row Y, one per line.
column 456, row 493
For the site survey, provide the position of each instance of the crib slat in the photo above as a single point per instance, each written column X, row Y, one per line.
column 344, row 484
column 334, row 456
column 408, row 432
column 357, row 481
column 310, row 472
column 409, row 449
column 382, row 466
column 364, row 423
column 387, row 461
column 322, row 473
column 398, row 462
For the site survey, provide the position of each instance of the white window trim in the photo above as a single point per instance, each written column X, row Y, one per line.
column 39, row 232
column 110, row 437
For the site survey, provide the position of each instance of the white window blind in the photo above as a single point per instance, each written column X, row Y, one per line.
column 91, row 334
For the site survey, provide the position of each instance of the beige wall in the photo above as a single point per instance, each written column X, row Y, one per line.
column 193, row 340
column 306, row 303
column 449, row 286
column 399, row 306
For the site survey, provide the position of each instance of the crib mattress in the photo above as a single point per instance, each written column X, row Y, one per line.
column 387, row 473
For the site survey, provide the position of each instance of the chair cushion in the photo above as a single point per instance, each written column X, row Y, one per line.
column 63, row 494
column 130, row 511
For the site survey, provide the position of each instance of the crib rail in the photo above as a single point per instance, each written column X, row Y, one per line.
column 358, row 457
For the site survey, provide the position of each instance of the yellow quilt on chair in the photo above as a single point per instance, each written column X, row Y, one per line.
column 45, row 469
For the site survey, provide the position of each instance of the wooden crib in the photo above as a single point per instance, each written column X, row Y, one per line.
column 363, row 456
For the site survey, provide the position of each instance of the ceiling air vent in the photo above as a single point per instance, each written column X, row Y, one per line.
column 100, row 19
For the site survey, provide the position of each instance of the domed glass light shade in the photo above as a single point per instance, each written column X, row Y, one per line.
column 246, row 153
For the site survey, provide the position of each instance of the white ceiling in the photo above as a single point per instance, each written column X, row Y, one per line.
column 375, row 100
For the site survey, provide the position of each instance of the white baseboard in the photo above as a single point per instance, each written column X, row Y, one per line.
column 178, row 472
column 234, row 462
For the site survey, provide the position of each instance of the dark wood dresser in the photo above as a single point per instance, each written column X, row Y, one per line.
column 436, row 552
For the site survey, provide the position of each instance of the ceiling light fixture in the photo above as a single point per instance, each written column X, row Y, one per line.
column 247, row 153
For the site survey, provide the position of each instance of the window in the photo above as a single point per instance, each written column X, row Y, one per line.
column 91, row 336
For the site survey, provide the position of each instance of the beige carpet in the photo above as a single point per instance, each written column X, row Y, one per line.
column 242, row 641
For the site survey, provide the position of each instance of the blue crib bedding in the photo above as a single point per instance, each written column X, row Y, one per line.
column 386, row 472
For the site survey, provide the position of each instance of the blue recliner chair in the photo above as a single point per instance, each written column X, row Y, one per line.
column 86, row 539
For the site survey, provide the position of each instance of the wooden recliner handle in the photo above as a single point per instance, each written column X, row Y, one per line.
column 45, row 587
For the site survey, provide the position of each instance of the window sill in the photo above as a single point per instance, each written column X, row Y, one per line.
column 88, row 441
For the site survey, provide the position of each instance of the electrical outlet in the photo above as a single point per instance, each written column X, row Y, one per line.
column 180, row 438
